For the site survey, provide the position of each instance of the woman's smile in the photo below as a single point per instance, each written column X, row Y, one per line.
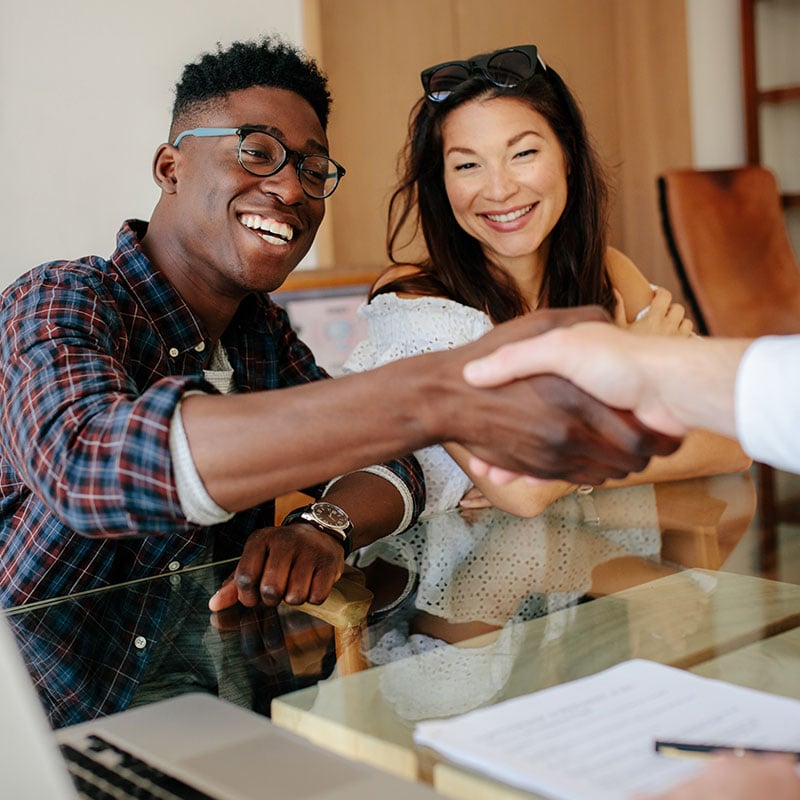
column 505, row 176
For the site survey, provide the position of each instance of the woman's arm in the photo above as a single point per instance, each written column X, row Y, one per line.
column 701, row 453
column 642, row 307
column 518, row 497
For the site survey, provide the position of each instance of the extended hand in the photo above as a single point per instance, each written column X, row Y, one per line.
column 293, row 563
column 546, row 426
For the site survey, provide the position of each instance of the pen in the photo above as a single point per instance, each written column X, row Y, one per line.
column 688, row 750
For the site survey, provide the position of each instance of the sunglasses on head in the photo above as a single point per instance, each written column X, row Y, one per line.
column 505, row 68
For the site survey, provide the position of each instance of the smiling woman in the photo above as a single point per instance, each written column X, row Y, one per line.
column 501, row 175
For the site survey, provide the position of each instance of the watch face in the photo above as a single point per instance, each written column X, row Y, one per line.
column 329, row 514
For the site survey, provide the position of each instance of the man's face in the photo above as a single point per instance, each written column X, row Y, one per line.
column 236, row 232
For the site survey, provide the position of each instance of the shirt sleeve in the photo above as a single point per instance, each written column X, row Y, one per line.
column 196, row 503
column 767, row 401
column 78, row 431
column 401, row 327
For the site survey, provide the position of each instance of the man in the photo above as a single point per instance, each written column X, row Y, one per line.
column 154, row 404
column 742, row 388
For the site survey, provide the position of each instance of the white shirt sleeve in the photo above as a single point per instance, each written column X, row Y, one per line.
column 767, row 401
column 196, row 503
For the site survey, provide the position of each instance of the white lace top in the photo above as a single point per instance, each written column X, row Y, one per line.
column 483, row 565
column 400, row 327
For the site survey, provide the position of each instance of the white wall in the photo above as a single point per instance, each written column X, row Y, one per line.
column 715, row 83
column 86, row 88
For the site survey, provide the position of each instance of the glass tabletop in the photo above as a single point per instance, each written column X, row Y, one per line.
column 464, row 609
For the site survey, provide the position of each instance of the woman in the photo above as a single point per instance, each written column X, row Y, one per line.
column 502, row 179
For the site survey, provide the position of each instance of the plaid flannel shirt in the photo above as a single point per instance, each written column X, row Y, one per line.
column 95, row 355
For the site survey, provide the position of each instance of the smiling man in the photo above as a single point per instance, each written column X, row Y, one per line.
column 153, row 404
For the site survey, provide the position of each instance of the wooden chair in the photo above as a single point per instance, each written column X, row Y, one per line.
column 346, row 609
column 727, row 236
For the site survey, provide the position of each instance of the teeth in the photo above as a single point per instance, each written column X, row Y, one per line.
column 271, row 227
column 510, row 216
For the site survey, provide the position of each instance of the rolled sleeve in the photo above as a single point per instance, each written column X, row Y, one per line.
column 77, row 429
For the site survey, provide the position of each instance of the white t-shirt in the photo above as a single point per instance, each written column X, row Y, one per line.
column 767, row 403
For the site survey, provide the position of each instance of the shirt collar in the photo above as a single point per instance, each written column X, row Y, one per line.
column 161, row 302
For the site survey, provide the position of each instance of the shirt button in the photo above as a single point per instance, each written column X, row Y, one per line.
column 140, row 642
column 200, row 347
column 173, row 352
column 173, row 565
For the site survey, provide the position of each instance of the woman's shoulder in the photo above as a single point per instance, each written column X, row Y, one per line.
column 628, row 280
column 621, row 268
column 426, row 310
column 395, row 273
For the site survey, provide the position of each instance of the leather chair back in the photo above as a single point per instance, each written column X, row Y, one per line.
column 727, row 236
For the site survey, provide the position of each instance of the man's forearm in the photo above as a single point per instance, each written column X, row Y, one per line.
column 248, row 448
column 251, row 447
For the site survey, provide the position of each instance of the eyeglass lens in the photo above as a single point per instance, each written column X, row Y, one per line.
column 505, row 69
column 262, row 154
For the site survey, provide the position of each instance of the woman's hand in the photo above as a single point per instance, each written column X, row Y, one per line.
column 662, row 316
column 475, row 498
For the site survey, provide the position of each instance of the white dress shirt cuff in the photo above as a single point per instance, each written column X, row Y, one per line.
column 766, row 401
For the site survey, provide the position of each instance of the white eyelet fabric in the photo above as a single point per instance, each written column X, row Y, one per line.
column 489, row 566
column 401, row 327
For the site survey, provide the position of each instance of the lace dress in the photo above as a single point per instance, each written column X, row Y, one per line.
column 400, row 327
column 487, row 565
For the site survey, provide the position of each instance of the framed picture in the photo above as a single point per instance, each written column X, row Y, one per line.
column 326, row 319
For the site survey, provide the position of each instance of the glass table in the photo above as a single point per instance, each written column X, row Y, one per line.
column 466, row 609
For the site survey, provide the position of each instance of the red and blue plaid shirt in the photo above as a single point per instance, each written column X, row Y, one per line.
column 95, row 355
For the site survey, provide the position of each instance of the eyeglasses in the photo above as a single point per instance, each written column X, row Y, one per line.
column 506, row 68
column 260, row 153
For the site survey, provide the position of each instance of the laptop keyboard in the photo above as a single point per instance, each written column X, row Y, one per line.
column 103, row 771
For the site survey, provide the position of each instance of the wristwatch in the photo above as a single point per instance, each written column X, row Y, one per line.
column 326, row 517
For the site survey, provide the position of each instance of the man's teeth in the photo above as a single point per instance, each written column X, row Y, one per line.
column 512, row 215
column 271, row 228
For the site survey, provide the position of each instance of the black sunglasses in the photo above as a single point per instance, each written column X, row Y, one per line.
column 506, row 68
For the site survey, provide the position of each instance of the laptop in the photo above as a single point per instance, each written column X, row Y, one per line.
column 203, row 746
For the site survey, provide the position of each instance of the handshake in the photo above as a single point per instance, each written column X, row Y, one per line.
column 600, row 401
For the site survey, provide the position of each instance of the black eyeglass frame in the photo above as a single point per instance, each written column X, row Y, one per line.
column 480, row 65
column 245, row 131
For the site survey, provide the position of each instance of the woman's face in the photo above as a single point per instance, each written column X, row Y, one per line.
column 505, row 177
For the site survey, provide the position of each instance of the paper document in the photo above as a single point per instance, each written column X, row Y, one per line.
column 592, row 739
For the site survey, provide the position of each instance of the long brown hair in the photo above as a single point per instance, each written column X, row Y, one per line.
column 456, row 265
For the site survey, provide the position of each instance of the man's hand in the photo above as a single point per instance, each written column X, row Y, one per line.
column 545, row 426
column 294, row 564
column 745, row 778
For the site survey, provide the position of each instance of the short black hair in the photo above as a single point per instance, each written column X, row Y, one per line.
column 269, row 61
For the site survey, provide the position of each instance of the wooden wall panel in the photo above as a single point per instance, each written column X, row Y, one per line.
column 372, row 53
column 652, row 82
column 624, row 59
